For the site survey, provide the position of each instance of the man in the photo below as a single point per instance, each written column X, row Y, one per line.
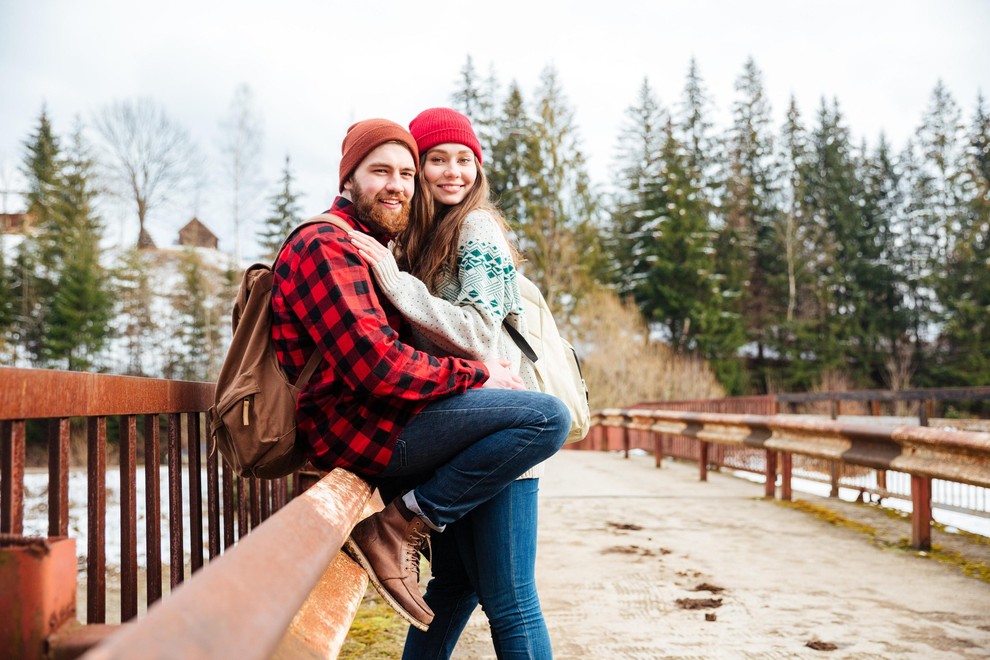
column 377, row 406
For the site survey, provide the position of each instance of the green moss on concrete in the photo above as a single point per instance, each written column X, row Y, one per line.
column 377, row 632
column 968, row 566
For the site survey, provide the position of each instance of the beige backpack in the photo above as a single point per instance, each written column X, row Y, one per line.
column 253, row 419
column 558, row 369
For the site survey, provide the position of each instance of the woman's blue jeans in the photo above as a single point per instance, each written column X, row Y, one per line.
column 463, row 450
column 488, row 556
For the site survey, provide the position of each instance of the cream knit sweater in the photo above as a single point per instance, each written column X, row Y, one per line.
column 465, row 318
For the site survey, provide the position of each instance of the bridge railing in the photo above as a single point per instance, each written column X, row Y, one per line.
column 209, row 510
column 924, row 453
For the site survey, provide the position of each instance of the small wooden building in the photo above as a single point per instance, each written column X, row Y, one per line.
column 15, row 223
column 196, row 234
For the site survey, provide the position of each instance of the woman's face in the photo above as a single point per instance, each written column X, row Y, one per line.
column 450, row 170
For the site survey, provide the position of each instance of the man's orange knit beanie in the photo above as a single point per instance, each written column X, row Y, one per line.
column 364, row 137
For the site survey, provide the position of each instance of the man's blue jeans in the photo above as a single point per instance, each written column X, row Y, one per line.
column 488, row 555
column 463, row 450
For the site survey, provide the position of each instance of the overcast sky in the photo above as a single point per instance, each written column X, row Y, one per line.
column 315, row 67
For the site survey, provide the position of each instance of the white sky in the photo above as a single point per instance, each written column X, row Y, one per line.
column 315, row 67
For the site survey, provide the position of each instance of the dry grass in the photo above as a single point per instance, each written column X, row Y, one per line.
column 622, row 367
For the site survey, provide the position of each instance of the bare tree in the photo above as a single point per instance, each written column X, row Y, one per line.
column 242, row 132
column 149, row 158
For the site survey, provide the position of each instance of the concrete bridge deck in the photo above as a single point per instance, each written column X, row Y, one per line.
column 633, row 560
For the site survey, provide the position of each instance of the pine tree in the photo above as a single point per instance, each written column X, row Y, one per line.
column 914, row 264
column 694, row 131
column 752, row 250
column 941, row 139
column 7, row 310
column 283, row 215
column 198, row 323
column 964, row 358
column 793, row 163
column 638, row 162
column 506, row 169
column 558, row 232
column 77, row 325
column 137, row 323
column 40, row 168
column 33, row 283
column 478, row 101
column 881, row 316
column 844, row 241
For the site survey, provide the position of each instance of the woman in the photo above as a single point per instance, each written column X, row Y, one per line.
column 457, row 287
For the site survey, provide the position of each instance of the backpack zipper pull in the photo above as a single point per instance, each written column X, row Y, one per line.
column 247, row 406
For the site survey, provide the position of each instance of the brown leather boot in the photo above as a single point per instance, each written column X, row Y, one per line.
column 387, row 546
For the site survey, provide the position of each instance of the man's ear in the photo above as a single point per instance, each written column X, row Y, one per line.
column 347, row 185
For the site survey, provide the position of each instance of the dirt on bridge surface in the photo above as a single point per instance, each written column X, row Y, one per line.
column 636, row 562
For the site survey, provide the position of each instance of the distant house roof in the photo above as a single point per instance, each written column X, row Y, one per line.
column 15, row 223
column 196, row 234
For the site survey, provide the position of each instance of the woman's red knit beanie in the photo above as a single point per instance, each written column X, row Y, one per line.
column 441, row 125
column 364, row 137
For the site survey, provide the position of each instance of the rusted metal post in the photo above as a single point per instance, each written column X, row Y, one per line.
column 625, row 441
column 921, row 513
column 875, row 407
column 194, row 447
column 12, row 476
column 152, row 503
column 58, row 477
column 922, row 413
column 243, row 524
column 227, row 496
column 254, row 492
column 786, row 466
column 37, row 592
column 176, row 563
column 833, row 467
column 702, row 460
column 213, row 499
column 197, row 619
column 657, row 448
column 128, row 518
column 882, row 483
column 96, row 569
column 770, row 485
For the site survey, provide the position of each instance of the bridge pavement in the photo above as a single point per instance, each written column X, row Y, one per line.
column 632, row 561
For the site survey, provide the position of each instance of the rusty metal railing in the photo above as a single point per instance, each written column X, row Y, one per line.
column 922, row 452
column 285, row 591
column 50, row 406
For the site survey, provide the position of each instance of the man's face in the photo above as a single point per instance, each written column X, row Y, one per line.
column 382, row 187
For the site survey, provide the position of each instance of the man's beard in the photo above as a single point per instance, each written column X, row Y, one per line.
column 384, row 220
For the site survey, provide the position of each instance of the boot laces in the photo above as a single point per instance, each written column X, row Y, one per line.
column 419, row 535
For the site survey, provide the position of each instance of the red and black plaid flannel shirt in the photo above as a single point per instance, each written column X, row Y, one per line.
column 370, row 384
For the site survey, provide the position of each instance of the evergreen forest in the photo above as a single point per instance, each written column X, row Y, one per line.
column 768, row 256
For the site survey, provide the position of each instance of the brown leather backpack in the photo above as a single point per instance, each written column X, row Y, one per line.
column 253, row 419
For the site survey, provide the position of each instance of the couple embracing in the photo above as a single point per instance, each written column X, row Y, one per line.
column 422, row 390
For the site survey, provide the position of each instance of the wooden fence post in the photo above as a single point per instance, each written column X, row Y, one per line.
column 921, row 513
column 770, row 486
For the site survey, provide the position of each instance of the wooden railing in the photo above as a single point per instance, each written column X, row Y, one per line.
column 924, row 453
column 49, row 406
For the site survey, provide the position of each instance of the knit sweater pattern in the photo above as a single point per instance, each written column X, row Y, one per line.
column 465, row 318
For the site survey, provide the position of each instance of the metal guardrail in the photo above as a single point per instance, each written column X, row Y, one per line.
column 922, row 452
column 55, row 405
column 242, row 604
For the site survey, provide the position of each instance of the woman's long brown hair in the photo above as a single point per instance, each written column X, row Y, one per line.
column 428, row 246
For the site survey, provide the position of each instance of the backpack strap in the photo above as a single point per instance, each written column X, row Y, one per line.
column 309, row 369
column 326, row 218
column 521, row 342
